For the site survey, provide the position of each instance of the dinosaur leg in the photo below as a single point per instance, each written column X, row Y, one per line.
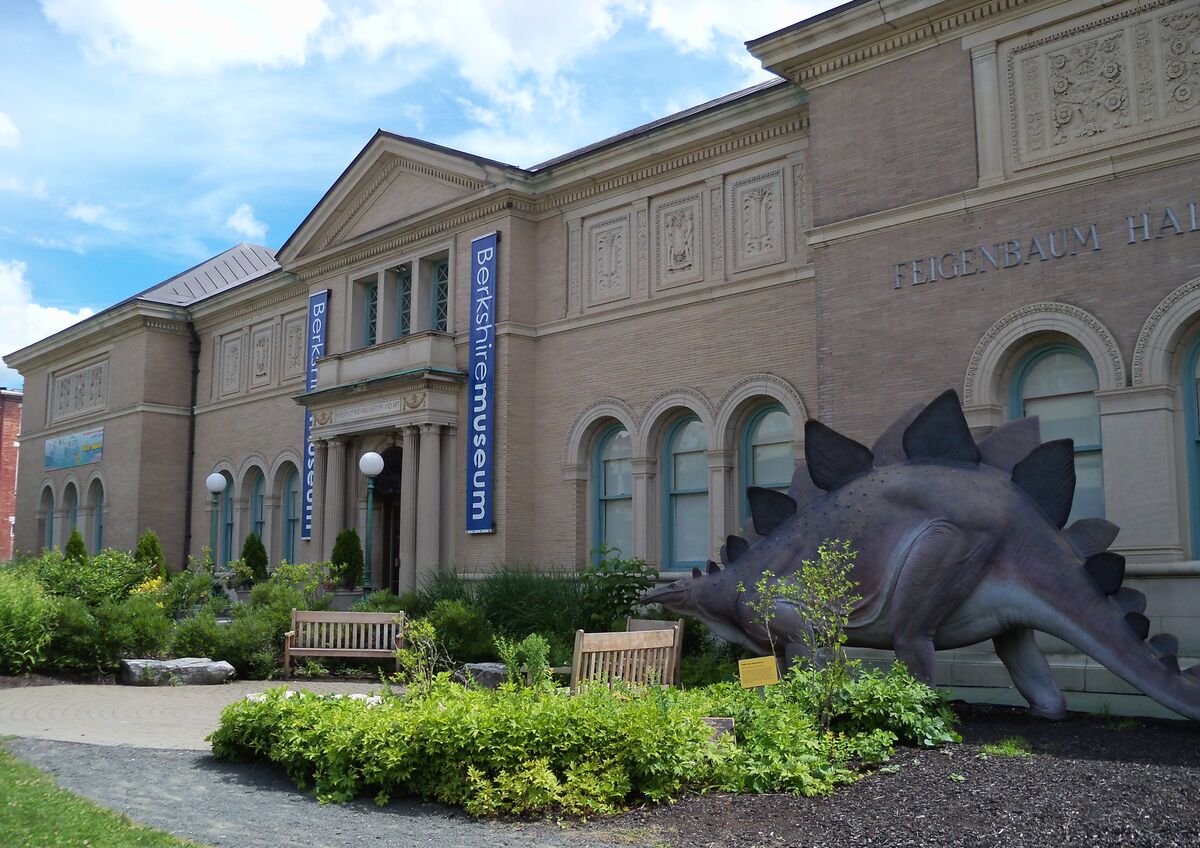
column 1030, row 673
column 941, row 568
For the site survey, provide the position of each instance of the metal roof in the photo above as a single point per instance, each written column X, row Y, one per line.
column 235, row 266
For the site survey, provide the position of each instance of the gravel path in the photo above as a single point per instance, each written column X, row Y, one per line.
column 190, row 794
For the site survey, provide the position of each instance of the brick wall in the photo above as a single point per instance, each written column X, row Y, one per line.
column 10, row 428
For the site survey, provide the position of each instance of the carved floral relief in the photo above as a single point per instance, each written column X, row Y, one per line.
column 678, row 241
column 293, row 347
column 231, row 365
column 80, row 391
column 608, row 261
column 757, row 209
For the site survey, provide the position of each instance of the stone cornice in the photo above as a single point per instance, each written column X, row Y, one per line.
column 873, row 33
column 219, row 311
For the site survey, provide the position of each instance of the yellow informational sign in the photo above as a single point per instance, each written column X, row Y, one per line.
column 760, row 671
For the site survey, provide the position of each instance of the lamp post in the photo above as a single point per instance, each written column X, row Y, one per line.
column 215, row 485
column 370, row 464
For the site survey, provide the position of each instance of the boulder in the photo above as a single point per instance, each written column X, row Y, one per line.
column 489, row 675
column 188, row 671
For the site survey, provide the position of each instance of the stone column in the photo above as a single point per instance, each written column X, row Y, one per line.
column 1141, row 472
column 334, row 514
column 316, row 492
column 429, row 495
column 720, row 472
column 645, row 507
column 408, row 511
column 989, row 135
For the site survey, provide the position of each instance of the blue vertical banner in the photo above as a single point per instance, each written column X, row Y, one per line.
column 481, row 397
column 318, row 320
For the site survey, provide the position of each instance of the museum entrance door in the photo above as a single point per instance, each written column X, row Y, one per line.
column 387, row 495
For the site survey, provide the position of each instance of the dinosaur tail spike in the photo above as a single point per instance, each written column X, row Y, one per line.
column 1107, row 569
column 697, row 573
column 712, row 567
column 1171, row 662
column 733, row 549
column 1164, row 644
column 1139, row 624
column 1129, row 600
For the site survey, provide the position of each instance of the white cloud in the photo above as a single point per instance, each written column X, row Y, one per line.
column 191, row 36
column 10, row 136
column 96, row 214
column 696, row 25
column 32, row 188
column 243, row 222
column 25, row 321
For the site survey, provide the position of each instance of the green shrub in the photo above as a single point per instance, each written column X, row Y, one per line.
column 613, row 588
column 254, row 554
column 90, row 640
column 519, row 600
column 149, row 550
column 76, row 550
column 109, row 575
column 441, row 586
column 305, row 578
column 198, row 636
column 463, row 630
column 384, row 601
column 186, row 590
column 27, row 617
column 74, row 648
column 346, row 563
column 253, row 642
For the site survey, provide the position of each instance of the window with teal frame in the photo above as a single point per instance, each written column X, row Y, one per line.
column 685, row 486
column 767, row 457
column 612, row 476
column 226, row 523
column 258, row 500
column 291, row 515
column 1191, row 394
column 97, row 517
column 72, row 499
column 1058, row 384
column 48, row 512
column 441, row 295
column 370, row 314
column 403, row 301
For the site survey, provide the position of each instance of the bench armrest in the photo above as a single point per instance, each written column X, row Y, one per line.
column 290, row 635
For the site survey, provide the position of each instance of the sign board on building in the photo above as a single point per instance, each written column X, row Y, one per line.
column 75, row 449
column 481, row 397
column 318, row 315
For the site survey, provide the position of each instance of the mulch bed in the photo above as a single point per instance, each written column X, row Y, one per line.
column 1092, row 781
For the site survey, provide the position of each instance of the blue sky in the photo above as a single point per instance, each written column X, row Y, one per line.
column 139, row 137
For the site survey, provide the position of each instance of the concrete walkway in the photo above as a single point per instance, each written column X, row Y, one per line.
column 174, row 717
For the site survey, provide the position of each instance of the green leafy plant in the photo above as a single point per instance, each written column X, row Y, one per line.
column 305, row 578
column 531, row 655
column 1013, row 746
column 422, row 657
column 346, row 563
column 108, row 575
column 27, row 619
column 149, row 550
column 76, row 550
column 614, row 586
column 463, row 630
column 254, row 555
column 384, row 600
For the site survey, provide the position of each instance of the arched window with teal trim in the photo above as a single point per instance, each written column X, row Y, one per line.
column 291, row 515
column 685, row 484
column 1191, row 394
column 1058, row 384
column 71, row 500
column 612, row 476
column 48, row 518
column 226, row 553
column 96, row 500
column 258, row 510
column 766, row 455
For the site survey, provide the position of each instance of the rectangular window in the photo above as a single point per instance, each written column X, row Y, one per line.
column 441, row 295
column 404, row 294
column 371, row 314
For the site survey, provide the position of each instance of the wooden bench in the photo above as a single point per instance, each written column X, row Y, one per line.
column 321, row 633
column 634, row 625
column 641, row 658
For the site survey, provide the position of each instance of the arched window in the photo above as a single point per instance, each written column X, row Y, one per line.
column 258, row 506
column 1058, row 384
column 767, row 459
column 96, row 501
column 47, row 509
column 685, row 483
column 226, row 542
column 291, row 515
column 613, row 476
column 1191, row 393
column 71, row 503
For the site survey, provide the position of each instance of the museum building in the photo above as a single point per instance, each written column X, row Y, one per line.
column 999, row 197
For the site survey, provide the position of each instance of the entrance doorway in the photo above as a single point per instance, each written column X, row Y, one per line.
column 387, row 496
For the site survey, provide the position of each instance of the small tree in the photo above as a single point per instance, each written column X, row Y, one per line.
column 76, row 550
column 149, row 550
column 254, row 554
column 347, row 558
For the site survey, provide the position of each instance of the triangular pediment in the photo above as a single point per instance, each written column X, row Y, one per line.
column 391, row 180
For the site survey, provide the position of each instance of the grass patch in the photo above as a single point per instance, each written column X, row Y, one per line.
column 1014, row 746
column 35, row 811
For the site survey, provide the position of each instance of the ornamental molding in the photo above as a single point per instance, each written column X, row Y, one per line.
column 1160, row 334
column 758, row 386
column 655, row 413
column 296, row 290
column 987, row 360
column 581, row 427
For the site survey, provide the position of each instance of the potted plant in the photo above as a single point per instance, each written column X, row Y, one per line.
column 346, row 567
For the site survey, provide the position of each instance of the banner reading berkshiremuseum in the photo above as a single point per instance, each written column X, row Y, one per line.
column 318, row 309
column 481, row 399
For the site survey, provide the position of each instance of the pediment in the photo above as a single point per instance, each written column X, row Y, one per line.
column 389, row 181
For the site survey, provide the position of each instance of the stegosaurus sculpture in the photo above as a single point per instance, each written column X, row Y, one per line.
column 957, row 542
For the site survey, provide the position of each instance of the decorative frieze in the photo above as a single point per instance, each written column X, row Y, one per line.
column 231, row 364
column 262, row 345
column 293, row 346
column 679, row 239
column 756, row 211
column 607, row 255
column 81, row 390
column 1117, row 78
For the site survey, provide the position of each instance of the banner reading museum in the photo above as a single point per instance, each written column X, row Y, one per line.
column 481, row 399
column 318, row 309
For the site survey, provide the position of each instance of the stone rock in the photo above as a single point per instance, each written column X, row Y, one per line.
column 489, row 675
column 187, row 671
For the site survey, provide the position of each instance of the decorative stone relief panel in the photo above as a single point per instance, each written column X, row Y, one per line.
column 607, row 260
column 293, row 346
column 574, row 260
column 800, row 214
column 79, row 391
column 679, row 241
column 756, row 214
column 262, row 344
column 231, row 364
column 1122, row 77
